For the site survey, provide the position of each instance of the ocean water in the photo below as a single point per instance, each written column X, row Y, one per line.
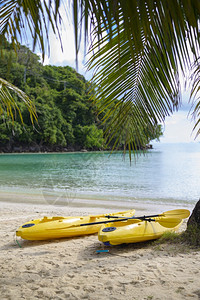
column 170, row 173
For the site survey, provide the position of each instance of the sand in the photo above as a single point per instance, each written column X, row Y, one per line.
column 72, row 269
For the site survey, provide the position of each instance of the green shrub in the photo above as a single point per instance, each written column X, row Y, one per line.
column 168, row 237
column 192, row 235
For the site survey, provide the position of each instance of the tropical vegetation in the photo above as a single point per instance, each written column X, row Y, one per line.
column 139, row 48
column 66, row 118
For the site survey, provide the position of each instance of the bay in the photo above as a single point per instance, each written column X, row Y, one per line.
column 169, row 173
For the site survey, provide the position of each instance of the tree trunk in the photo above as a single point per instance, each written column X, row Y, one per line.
column 192, row 233
column 194, row 219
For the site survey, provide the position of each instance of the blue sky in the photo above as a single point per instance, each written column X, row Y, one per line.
column 177, row 128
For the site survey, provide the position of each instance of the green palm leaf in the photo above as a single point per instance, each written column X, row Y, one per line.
column 137, row 48
column 194, row 97
column 137, row 60
column 9, row 105
column 21, row 20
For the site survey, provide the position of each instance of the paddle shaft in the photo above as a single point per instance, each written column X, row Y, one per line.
column 119, row 220
column 141, row 218
column 176, row 213
column 172, row 216
column 180, row 213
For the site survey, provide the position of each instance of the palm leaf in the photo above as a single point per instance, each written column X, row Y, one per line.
column 137, row 58
column 21, row 20
column 9, row 105
column 141, row 99
column 194, row 96
column 137, row 48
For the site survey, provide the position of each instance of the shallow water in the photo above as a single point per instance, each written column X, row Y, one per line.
column 167, row 174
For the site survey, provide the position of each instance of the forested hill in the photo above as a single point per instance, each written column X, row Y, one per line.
column 66, row 118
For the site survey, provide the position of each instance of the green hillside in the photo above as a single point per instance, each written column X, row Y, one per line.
column 67, row 120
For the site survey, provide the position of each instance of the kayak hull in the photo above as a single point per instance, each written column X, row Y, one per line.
column 133, row 231
column 63, row 227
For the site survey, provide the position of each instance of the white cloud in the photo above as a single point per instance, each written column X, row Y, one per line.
column 65, row 55
column 179, row 129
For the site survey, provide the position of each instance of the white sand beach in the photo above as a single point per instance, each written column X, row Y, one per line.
column 72, row 269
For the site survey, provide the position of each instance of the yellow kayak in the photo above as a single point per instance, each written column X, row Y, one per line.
column 62, row 227
column 137, row 230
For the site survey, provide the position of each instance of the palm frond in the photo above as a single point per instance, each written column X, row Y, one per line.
column 21, row 20
column 195, row 95
column 8, row 104
column 139, row 48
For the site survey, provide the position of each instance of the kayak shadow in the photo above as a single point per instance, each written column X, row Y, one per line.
column 30, row 244
column 99, row 251
column 132, row 251
column 23, row 244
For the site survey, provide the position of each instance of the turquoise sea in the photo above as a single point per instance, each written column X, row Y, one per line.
column 170, row 173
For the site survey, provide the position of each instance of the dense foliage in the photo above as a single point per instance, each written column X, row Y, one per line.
column 138, row 50
column 67, row 120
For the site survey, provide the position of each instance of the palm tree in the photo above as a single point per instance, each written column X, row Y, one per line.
column 139, row 48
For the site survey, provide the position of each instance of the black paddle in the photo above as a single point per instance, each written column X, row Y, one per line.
column 176, row 213
column 168, row 219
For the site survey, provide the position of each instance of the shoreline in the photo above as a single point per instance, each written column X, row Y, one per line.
column 58, row 149
column 56, row 200
column 72, row 269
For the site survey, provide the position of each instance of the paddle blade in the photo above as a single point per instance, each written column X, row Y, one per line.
column 169, row 222
column 177, row 213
